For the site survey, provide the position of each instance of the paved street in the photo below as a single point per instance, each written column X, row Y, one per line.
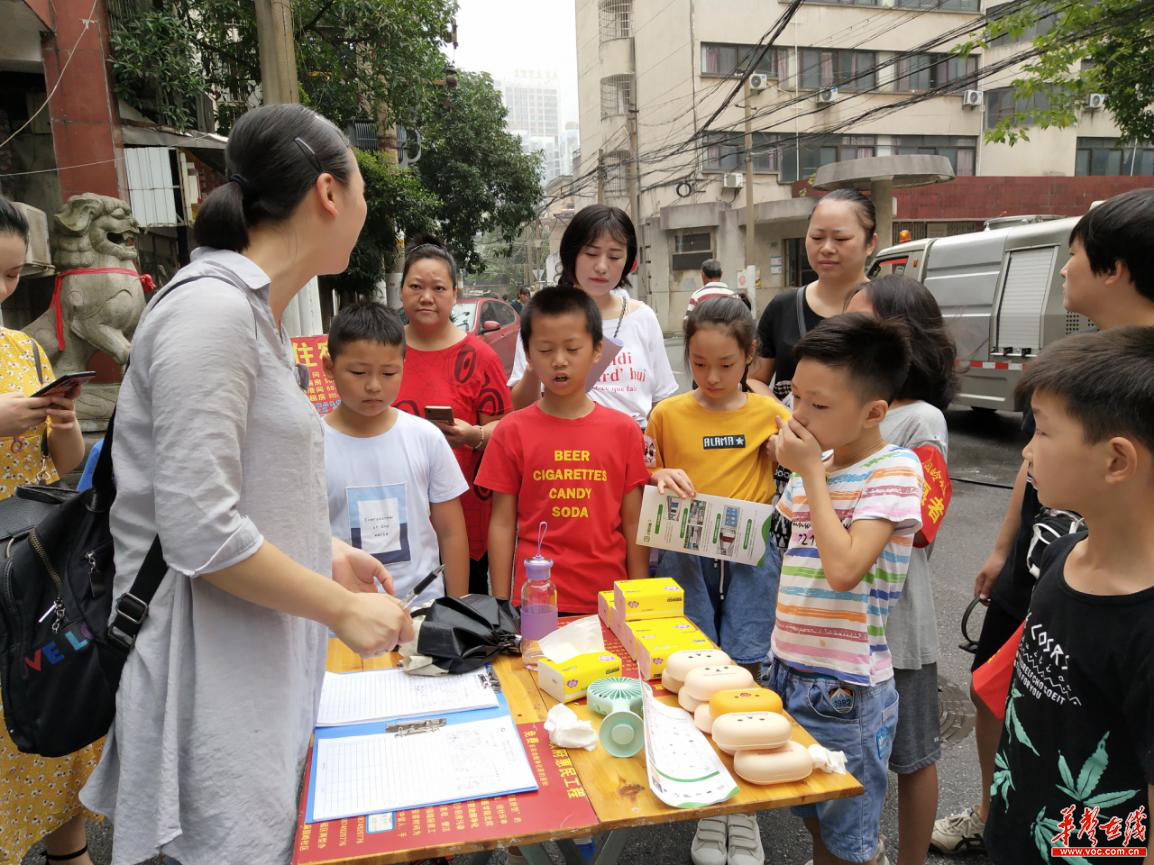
column 985, row 454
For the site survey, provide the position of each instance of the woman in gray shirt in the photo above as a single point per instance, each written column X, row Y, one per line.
column 219, row 451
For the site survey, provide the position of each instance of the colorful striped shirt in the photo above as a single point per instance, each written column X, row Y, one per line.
column 843, row 634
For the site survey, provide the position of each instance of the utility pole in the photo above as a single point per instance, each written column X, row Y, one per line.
column 278, row 81
column 635, row 202
column 749, row 220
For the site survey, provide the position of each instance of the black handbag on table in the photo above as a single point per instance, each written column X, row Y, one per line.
column 63, row 641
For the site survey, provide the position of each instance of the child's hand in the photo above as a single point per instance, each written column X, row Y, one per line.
column 674, row 482
column 797, row 449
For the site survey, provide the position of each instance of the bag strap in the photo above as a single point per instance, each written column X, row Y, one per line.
column 103, row 485
column 130, row 609
column 801, row 328
column 40, row 378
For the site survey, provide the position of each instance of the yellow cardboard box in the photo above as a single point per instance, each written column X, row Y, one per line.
column 651, row 655
column 668, row 630
column 605, row 608
column 569, row 681
column 658, row 598
column 654, row 629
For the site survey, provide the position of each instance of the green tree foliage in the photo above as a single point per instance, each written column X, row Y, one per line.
column 397, row 202
column 353, row 56
column 356, row 60
column 485, row 182
column 1105, row 46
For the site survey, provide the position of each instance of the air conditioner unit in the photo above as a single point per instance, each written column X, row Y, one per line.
column 972, row 98
column 827, row 96
column 758, row 81
column 1094, row 101
column 733, row 180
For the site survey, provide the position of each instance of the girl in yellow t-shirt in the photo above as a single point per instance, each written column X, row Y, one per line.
column 712, row 440
column 40, row 794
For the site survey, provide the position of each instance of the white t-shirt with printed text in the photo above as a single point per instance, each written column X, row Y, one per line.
column 380, row 489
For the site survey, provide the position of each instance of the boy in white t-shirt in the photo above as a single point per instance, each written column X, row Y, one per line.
column 394, row 484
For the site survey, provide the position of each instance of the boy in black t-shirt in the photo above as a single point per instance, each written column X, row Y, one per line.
column 1074, row 773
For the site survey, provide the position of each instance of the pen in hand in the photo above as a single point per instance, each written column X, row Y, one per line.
column 421, row 586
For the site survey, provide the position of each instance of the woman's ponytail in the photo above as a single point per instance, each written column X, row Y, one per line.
column 220, row 221
column 275, row 154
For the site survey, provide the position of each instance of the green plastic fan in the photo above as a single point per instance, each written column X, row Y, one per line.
column 618, row 698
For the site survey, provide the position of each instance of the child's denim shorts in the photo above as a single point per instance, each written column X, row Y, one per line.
column 742, row 622
column 860, row 721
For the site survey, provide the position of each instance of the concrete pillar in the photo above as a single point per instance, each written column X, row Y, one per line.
column 85, row 117
column 882, row 194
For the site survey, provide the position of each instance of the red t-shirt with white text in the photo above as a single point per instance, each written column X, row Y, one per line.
column 469, row 377
column 573, row 474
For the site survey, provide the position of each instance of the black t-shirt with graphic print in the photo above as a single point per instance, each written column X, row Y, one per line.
column 1079, row 728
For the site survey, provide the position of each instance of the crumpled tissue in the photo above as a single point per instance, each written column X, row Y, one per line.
column 831, row 762
column 566, row 730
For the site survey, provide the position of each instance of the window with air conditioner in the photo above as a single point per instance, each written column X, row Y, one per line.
column 725, row 152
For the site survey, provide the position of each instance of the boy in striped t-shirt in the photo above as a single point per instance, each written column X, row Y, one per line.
column 853, row 517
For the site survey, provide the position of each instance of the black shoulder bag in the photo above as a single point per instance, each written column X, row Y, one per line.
column 63, row 642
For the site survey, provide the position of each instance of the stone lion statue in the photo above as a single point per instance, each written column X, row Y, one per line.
column 92, row 312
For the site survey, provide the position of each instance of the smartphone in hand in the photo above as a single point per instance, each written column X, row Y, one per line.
column 439, row 413
column 66, row 383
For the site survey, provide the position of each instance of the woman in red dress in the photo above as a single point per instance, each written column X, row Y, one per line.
column 447, row 367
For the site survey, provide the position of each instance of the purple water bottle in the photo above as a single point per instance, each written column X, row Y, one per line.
column 538, row 595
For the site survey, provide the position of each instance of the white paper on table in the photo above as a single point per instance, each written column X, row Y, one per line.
column 712, row 526
column 684, row 770
column 377, row 695
column 576, row 638
column 358, row 775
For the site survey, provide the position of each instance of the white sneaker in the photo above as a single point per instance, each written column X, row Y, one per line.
column 745, row 841
column 959, row 833
column 708, row 847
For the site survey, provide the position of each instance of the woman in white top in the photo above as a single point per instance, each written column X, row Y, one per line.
column 598, row 250
column 219, row 452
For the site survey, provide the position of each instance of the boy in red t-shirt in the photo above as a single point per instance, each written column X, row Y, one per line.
column 565, row 460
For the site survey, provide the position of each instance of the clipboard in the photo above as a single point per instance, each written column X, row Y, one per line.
column 413, row 734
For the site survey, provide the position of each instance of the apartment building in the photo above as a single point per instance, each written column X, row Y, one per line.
column 532, row 100
column 846, row 79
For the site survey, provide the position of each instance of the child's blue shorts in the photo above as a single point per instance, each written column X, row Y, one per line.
column 741, row 623
column 860, row 721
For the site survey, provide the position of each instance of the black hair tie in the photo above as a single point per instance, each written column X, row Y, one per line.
column 245, row 186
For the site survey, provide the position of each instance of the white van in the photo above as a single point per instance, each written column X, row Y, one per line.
column 1000, row 292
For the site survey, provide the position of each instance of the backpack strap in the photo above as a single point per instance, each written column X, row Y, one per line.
column 130, row 609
